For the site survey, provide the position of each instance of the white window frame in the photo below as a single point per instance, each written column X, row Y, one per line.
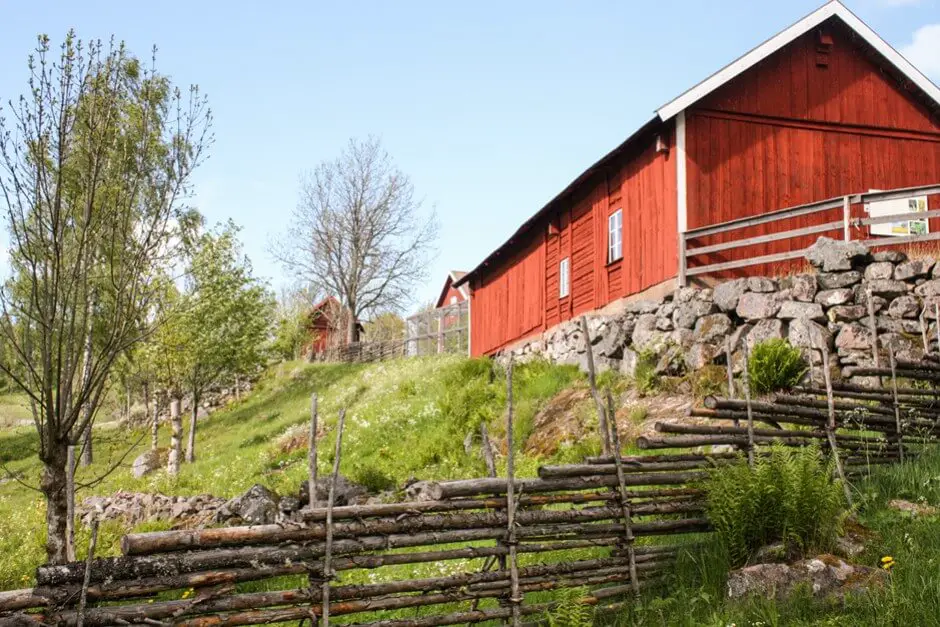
column 564, row 278
column 615, row 236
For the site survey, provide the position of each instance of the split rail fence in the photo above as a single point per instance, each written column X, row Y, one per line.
column 726, row 246
column 603, row 526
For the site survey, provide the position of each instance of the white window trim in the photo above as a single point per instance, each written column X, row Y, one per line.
column 564, row 278
column 615, row 236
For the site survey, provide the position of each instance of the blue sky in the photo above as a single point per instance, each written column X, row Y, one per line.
column 490, row 107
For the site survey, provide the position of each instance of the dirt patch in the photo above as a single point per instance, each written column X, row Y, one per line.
column 562, row 419
column 637, row 415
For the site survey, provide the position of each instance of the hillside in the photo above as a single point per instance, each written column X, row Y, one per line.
column 405, row 419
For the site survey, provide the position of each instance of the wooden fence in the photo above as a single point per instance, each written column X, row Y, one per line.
column 724, row 248
column 443, row 330
column 362, row 352
column 601, row 525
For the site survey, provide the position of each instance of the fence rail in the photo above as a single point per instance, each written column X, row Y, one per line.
column 688, row 251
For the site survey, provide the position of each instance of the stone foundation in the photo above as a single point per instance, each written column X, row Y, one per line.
column 690, row 328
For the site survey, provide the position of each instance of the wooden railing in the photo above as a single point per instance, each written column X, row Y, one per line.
column 845, row 224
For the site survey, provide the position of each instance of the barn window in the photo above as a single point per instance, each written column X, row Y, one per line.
column 615, row 236
column 564, row 278
column 453, row 300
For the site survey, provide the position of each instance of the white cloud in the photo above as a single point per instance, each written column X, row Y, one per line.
column 924, row 50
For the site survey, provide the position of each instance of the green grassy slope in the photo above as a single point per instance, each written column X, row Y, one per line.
column 405, row 418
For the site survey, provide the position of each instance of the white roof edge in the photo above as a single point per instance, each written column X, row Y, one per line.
column 775, row 43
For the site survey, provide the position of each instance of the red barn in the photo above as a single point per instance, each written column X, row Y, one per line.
column 822, row 110
column 327, row 326
column 451, row 295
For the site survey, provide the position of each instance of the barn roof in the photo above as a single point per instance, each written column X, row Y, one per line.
column 833, row 9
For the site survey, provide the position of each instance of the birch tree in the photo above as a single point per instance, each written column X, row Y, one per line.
column 95, row 166
column 359, row 233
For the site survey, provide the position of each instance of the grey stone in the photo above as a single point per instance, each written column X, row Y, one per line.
column 346, row 493
column 894, row 256
column 664, row 324
column 706, row 293
column 825, row 576
column 684, row 294
column 803, row 287
column 768, row 329
column 853, row 337
column 257, row 506
column 879, row 270
column 713, row 327
column 682, row 338
column 645, row 335
column 897, row 341
column 831, row 255
column 888, row 288
column 847, row 313
column 792, row 309
column 701, row 355
column 687, row 313
column 761, row 284
column 913, row 269
column 897, row 325
column 904, row 307
column 805, row 333
column 148, row 462
column 838, row 296
column 666, row 310
column 754, row 306
column 830, row 281
column 628, row 362
column 726, row 294
column 641, row 306
column 928, row 289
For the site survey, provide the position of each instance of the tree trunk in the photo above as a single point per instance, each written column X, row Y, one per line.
column 53, row 485
column 176, row 437
column 87, row 455
column 352, row 330
column 238, row 388
column 155, row 426
column 191, row 443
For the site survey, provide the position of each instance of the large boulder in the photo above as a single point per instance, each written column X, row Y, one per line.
column 879, row 270
column 888, row 288
column 831, row 255
column 641, row 306
column 805, row 333
column 847, row 313
column 833, row 280
column 838, row 296
column 904, row 307
column 347, row 492
column 823, row 576
column 803, row 287
column 713, row 328
column 767, row 329
column 761, row 284
column 913, row 269
column 257, row 506
column 701, row 355
column 646, row 336
column 148, row 462
column 757, row 306
column 687, row 313
column 929, row 289
column 853, row 337
column 726, row 294
column 791, row 310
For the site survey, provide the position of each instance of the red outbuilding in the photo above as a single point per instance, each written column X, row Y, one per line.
column 451, row 295
column 737, row 175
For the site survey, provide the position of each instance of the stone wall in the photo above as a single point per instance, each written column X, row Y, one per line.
column 689, row 329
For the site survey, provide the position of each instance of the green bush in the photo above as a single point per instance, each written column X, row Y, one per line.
column 775, row 365
column 372, row 478
column 570, row 611
column 645, row 377
column 789, row 496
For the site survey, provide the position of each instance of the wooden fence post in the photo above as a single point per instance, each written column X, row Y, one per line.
column 328, row 547
column 847, row 219
column 922, row 318
column 873, row 329
column 747, row 400
column 89, row 560
column 831, row 425
column 592, row 381
column 936, row 317
column 897, row 407
column 515, row 597
column 312, row 454
column 624, row 500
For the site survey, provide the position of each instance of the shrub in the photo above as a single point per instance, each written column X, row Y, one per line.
column 570, row 611
column 789, row 496
column 775, row 365
column 645, row 377
column 372, row 478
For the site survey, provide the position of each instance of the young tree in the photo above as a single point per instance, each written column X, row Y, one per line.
column 95, row 161
column 292, row 326
column 358, row 233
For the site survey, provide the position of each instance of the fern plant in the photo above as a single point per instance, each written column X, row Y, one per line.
column 569, row 611
column 789, row 496
column 775, row 365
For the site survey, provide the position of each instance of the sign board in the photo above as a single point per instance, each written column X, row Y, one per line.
column 881, row 208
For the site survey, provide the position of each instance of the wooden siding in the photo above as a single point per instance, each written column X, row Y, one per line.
column 449, row 293
column 790, row 132
column 508, row 304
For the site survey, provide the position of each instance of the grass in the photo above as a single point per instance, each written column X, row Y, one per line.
column 405, row 419
column 14, row 410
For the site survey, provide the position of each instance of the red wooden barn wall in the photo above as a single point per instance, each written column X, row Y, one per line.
column 790, row 131
column 642, row 183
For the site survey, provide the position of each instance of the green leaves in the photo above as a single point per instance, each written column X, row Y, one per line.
column 775, row 365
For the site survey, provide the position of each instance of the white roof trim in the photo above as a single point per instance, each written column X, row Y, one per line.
column 772, row 45
column 462, row 288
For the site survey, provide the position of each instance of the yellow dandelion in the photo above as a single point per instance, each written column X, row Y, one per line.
column 887, row 562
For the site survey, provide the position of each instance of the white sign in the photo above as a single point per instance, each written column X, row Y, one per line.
column 882, row 208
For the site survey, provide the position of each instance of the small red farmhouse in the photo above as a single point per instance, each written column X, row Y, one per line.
column 824, row 109
column 451, row 295
column 326, row 325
